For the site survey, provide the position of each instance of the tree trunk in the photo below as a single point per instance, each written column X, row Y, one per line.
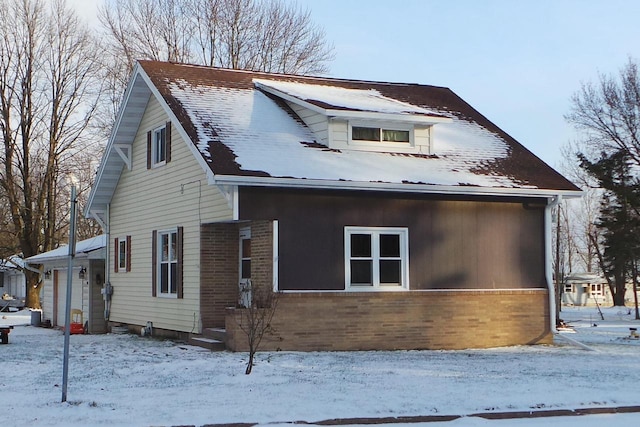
column 250, row 362
column 618, row 296
column 635, row 290
column 34, row 285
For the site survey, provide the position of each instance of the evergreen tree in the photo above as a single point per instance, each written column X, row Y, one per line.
column 619, row 218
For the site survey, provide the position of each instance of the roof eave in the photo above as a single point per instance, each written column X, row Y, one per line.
column 394, row 117
column 393, row 187
column 109, row 152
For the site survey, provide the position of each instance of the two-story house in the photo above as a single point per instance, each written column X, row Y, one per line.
column 386, row 215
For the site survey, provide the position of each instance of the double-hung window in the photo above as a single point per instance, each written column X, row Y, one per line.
column 123, row 254
column 376, row 258
column 167, row 263
column 159, row 146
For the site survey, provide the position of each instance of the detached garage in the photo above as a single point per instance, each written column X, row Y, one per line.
column 87, row 279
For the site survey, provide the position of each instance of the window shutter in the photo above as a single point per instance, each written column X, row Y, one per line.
column 149, row 150
column 154, row 262
column 179, row 254
column 128, row 253
column 167, row 136
column 116, row 255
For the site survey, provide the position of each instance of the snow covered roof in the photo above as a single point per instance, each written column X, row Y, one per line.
column 83, row 248
column 581, row 278
column 243, row 130
column 14, row 261
column 333, row 99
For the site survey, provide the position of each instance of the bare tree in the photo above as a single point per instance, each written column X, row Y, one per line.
column 260, row 304
column 257, row 35
column 607, row 113
column 48, row 91
column 582, row 213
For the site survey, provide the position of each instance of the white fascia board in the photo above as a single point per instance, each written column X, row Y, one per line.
column 353, row 114
column 110, row 143
column 176, row 125
column 387, row 117
column 393, row 187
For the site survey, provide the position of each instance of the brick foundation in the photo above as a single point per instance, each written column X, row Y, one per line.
column 402, row 320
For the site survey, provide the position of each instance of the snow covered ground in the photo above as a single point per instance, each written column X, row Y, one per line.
column 132, row 381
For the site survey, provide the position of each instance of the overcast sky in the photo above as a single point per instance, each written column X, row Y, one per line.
column 517, row 62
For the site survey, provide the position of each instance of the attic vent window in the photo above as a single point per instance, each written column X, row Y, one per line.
column 361, row 133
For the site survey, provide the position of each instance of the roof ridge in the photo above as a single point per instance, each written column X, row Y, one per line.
column 301, row 76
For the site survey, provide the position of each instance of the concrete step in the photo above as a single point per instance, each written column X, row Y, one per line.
column 208, row 343
column 219, row 334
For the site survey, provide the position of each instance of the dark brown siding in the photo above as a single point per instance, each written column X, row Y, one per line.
column 482, row 243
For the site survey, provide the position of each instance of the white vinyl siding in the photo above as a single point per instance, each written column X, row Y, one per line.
column 318, row 123
column 176, row 194
column 422, row 139
column 339, row 134
column 79, row 299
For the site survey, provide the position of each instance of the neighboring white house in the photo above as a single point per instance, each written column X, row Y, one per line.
column 87, row 280
column 12, row 279
column 586, row 289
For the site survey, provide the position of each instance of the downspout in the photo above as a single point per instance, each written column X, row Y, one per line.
column 548, row 244
column 107, row 290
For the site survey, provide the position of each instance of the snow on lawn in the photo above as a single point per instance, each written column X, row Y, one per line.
column 129, row 380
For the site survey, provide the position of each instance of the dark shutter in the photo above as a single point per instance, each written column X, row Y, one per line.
column 167, row 136
column 128, row 253
column 149, row 150
column 116, row 255
column 179, row 251
column 154, row 261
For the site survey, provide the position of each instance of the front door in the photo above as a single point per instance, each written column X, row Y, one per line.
column 245, row 267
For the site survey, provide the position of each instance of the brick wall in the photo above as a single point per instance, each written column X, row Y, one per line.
column 218, row 272
column 219, row 265
column 403, row 320
column 262, row 254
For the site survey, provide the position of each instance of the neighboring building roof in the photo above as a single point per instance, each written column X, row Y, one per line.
column 83, row 248
column 243, row 130
column 13, row 262
column 583, row 278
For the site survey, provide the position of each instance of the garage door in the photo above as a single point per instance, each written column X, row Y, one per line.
column 76, row 297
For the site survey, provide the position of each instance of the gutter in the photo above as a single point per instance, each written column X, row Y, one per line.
column 391, row 187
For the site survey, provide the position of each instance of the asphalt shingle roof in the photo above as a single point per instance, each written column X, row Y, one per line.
column 242, row 130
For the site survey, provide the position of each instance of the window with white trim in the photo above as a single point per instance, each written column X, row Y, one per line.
column 361, row 133
column 123, row 254
column 596, row 290
column 159, row 146
column 384, row 136
column 376, row 258
column 167, row 263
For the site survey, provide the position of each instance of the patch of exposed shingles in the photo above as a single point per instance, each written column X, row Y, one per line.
column 224, row 161
column 319, row 146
